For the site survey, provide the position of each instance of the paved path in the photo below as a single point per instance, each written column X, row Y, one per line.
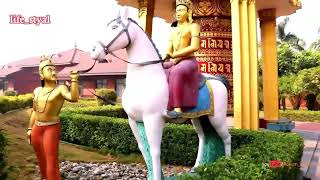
column 310, row 163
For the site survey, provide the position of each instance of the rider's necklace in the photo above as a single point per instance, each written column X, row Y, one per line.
column 179, row 34
column 45, row 105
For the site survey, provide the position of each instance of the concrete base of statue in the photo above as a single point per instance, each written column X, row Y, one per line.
column 213, row 147
column 284, row 125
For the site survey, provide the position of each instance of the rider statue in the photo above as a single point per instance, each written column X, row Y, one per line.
column 180, row 63
column 44, row 127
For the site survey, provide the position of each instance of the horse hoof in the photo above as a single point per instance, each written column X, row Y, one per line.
column 193, row 170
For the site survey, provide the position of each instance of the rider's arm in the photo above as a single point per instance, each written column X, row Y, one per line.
column 194, row 45
column 170, row 47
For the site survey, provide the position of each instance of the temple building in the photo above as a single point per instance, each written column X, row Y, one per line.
column 23, row 76
column 228, row 45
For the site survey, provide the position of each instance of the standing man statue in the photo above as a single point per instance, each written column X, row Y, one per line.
column 44, row 127
column 181, row 65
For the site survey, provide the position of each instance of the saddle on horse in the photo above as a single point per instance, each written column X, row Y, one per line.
column 205, row 104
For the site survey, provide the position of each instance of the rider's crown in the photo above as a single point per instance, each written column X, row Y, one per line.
column 187, row 3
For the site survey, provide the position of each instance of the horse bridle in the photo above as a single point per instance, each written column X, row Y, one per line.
column 125, row 29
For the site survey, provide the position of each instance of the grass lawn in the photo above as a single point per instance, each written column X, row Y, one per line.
column 21, row 158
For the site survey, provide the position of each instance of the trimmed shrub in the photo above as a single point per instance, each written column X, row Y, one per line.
column 8, row 103
column 252, row 161
column 80, row 104
column 108, row 94
column 105, row 110
column 301, row 115
column 10, row 93
column 251, row 150
column 3, row 143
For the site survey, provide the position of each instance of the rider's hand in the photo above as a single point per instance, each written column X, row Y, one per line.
column 175, row 60
column 168, row 56
column 29, row 136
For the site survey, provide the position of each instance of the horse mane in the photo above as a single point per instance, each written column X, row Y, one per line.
column 154, row 46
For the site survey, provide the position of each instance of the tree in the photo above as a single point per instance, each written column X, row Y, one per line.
column 308, row 81
column 306, row 59
column 316, row 45
column 290, row 38
column 289, row 88
column 286, row 59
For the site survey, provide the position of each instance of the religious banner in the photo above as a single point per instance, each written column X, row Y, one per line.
column 215, row 53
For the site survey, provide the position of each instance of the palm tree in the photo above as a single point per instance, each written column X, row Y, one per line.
column 316, row 45
column 289, row 38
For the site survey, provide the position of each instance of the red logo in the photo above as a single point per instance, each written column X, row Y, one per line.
column 275, row 163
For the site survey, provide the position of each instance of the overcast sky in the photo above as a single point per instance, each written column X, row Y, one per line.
column 83, row 22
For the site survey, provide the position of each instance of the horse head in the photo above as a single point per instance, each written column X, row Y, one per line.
column 118, row 36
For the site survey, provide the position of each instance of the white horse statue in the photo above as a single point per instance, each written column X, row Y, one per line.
column 145, row 98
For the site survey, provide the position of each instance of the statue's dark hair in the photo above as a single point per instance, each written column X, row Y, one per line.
column 174, row 24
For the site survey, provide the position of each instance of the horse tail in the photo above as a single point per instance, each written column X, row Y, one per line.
column 222, row 79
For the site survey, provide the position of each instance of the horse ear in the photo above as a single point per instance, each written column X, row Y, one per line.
column 124, row 13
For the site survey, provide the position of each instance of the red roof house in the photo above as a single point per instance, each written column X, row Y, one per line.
column 23, row 77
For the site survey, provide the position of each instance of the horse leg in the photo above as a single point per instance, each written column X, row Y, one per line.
column 218, row 121
column 154, row 124
column 135, row 131
column 197, row 126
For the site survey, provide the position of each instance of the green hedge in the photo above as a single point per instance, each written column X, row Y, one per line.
column 3, row 142
column 115, row 135
column 108, row 94
column 8, row 103
column 251, row 161
column 10, row 93
column 81, row 103
column 106, row 110
column 250, row 149
column 301, row 115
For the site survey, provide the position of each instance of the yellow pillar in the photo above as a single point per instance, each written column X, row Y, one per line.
column 245, row 64
column 254, row 101
column 146, row 12
column 269, row 63
column 236, row 60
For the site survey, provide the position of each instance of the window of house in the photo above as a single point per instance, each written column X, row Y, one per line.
column 60, row 82
column 101, row 83
column 5, row 85
column 81, row 86
column 120, row 86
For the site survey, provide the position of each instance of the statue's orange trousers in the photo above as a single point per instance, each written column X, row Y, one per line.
column 45, row 142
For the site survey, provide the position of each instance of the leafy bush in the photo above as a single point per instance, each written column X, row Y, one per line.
column 8, row 103
column 3, row 143
column 251, row 161
column 108, row 94
column 80, row 104
column 106, row 110
column 10, row 93
column 301, row 115
column 250, row 149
